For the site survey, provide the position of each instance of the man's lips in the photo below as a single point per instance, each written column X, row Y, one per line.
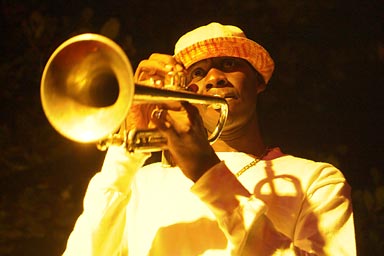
column 231, row 96
column 226, row 93
column 228, row 96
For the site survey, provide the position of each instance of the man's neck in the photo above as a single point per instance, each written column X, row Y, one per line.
column 246, row 139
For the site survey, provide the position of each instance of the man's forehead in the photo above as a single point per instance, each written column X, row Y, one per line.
column 210, row 61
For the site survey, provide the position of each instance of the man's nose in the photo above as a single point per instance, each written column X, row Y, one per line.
column 215, row 78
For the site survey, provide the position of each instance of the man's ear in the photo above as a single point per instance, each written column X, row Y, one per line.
column 260, row 87
column 260, row 82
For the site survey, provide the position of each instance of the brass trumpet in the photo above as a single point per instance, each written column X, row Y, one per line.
column 87, row 89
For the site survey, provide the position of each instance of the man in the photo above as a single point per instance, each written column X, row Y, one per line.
column 236, row 197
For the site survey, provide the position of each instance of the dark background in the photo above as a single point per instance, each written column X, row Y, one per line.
column 323, row 102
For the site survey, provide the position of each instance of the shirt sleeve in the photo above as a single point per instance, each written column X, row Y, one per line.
column 325, row 224
column 99, row 229
column 235, row 208
column 243, row 219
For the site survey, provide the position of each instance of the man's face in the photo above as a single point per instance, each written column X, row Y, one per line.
column 231, row 78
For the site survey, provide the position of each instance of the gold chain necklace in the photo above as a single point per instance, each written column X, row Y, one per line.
column 253, row 163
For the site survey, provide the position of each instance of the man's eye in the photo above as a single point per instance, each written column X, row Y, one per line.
column 197, row 73
column 228, row 64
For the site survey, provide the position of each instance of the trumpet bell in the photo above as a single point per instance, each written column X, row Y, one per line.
column 87, row 88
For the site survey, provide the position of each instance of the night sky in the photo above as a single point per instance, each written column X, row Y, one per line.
column 323, row 102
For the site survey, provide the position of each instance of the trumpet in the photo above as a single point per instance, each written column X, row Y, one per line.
column 87, row 89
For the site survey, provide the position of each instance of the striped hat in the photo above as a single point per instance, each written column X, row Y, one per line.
column 217, row 40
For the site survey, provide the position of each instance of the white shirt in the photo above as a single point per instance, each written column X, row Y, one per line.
column 284, row 205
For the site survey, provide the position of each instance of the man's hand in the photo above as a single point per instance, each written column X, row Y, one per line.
column 150, row 72
column 154, row 71
column 179, row 122
column 187, row 139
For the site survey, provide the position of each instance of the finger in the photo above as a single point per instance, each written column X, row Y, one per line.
column 189, row 107
column 193, row 111
column 160, row 64
column 168, row 60
column 159, row 120
column 163, row 58
column 180, row 114
column 139, row 116
column 148, row 68
column 178, row 120
column 165, row 63
column 183, row 116
column 158, row 114
column 171, row 105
